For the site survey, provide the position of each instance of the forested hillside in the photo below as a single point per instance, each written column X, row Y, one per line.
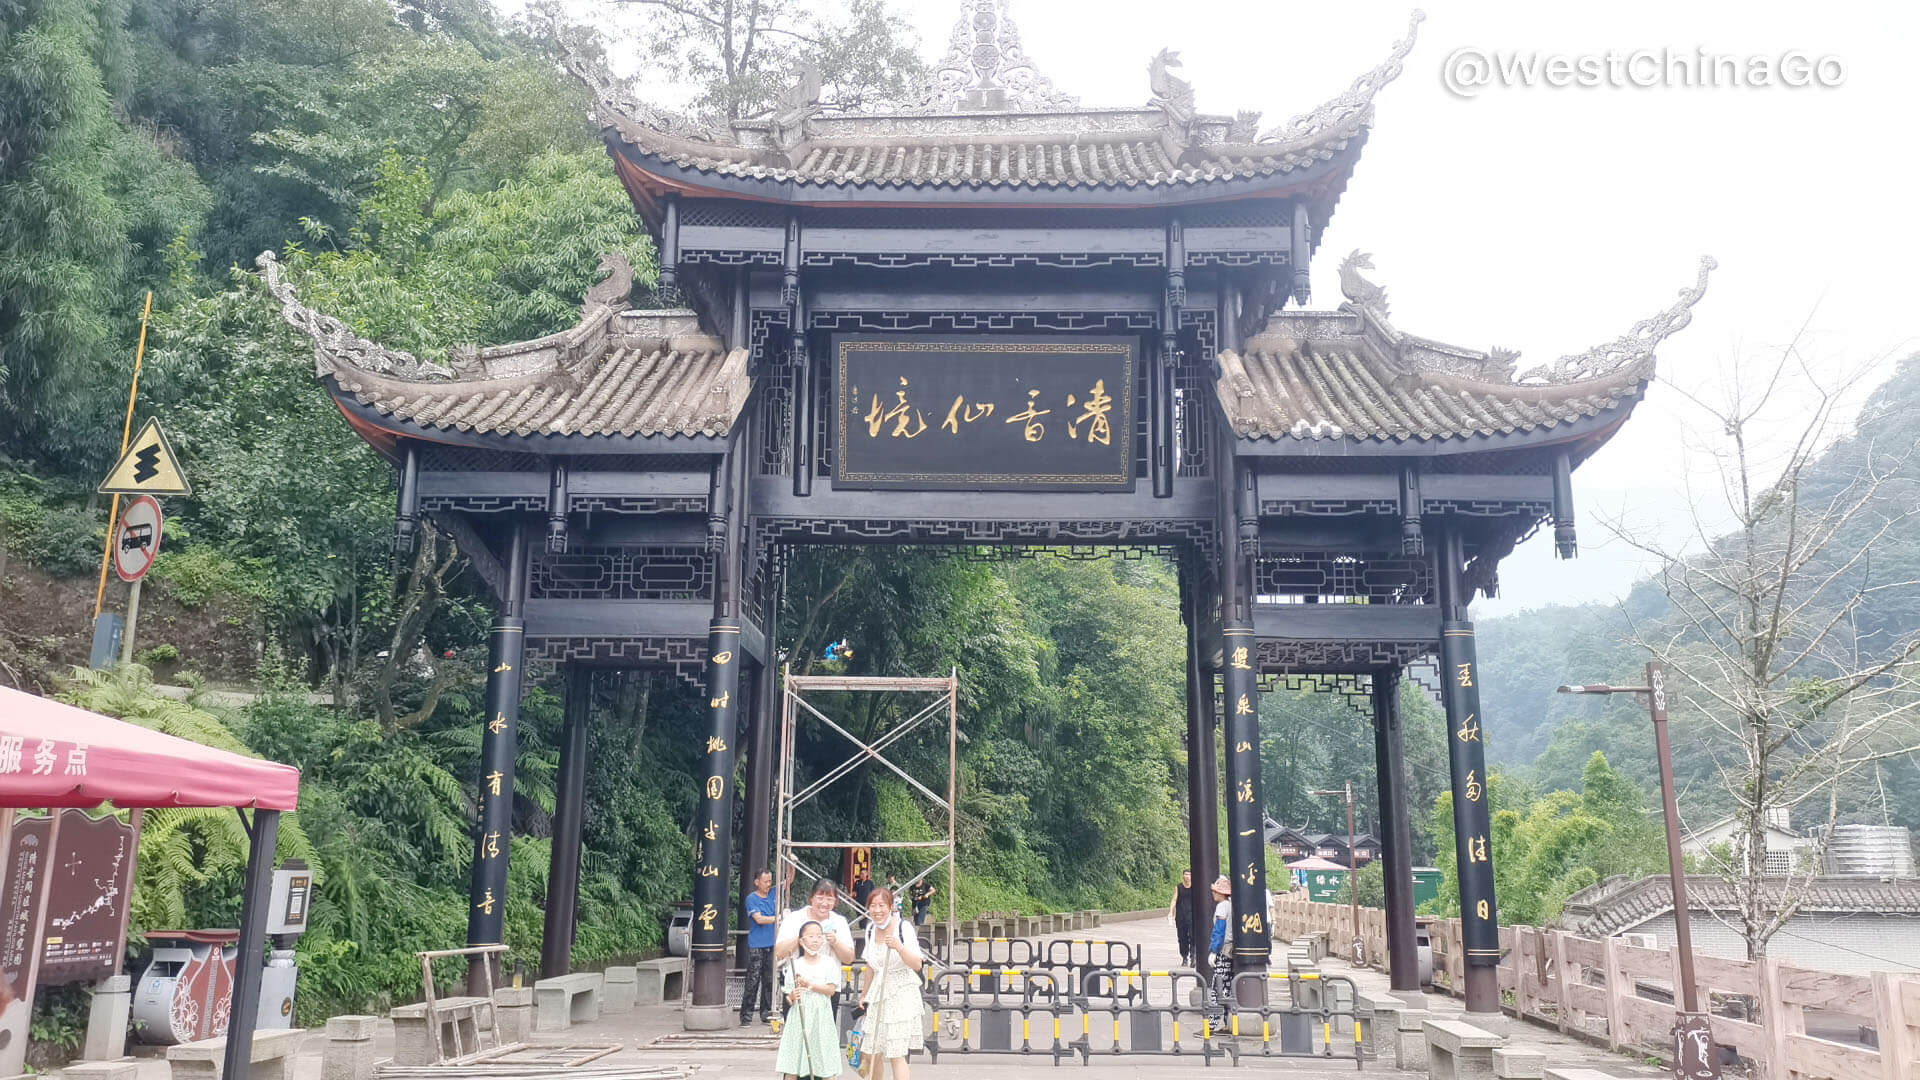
column 1549, row 737
column 425, row 173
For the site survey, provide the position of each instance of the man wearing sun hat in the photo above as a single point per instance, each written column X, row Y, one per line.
column 1219, row 955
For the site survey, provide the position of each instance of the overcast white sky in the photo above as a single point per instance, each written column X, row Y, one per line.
column 1551, row 219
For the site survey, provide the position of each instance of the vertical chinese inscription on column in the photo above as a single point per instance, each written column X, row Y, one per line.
column 1472, row 819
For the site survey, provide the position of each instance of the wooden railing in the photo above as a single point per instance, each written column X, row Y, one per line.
column 1623, row 996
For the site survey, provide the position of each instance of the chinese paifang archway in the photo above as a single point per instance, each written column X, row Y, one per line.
column 1101, row 317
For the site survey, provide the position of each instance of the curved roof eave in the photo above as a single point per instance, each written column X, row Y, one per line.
column 1596, row 429
column 689, row 180
column 371, row 424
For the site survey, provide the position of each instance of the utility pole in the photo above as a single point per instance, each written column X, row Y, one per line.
column 1353, row 864
column 1694, row 1055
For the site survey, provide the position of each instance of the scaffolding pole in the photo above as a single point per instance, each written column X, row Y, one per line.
column 796, row 707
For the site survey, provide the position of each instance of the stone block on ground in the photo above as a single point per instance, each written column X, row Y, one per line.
column 1457, row 1050
column 102, row 1070
column 513, row 1013
column 107, row 1012
column 566, row 1000
column 621, row 991
column 452, row 1030
column 659, row 980
column 348, row 1053
column 1409, row 1041
column 272, row 1056
column 1510, row 1064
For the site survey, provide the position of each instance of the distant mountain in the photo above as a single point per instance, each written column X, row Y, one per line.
column 1548, row 737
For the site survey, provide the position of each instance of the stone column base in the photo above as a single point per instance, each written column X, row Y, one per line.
column 710, row 1017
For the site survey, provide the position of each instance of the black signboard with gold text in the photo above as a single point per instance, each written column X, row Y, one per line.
column 1001, row 413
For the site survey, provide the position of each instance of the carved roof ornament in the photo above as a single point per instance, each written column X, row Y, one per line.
column 1170, row 91
column 986, row 70
column 1355, row 106
column 335, row 343
column 1633, row 348
column 1358, row 290
column 611, row 105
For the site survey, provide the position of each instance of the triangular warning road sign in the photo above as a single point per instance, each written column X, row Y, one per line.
column 149, row 467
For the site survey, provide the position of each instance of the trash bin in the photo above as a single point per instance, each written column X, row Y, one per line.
column 186, row 992
column 680, row 930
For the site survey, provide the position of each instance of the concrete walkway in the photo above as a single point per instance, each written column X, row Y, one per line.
column 653, row 1036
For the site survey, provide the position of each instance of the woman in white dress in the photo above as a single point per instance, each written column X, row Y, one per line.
column 895, row 1020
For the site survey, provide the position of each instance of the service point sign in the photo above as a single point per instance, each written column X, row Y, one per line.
column 136, row 543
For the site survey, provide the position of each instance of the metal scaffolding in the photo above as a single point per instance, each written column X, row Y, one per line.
column 796, row 707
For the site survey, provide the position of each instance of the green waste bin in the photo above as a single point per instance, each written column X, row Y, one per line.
column 1426, row 884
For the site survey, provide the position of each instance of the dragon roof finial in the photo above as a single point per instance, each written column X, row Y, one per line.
column 1634, row 347
column 1353, row 106
column 334, row 342
column 1358, row 290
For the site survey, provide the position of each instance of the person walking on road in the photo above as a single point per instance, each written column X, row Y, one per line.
column 922, row 894
column 1220, row 952
column 762, row 920
column 1181, row 915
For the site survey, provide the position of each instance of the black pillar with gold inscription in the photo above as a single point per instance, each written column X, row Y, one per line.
column 713, row 844
column 499, row 744
column 1246, row 821
column 1246, row 862
column 1467, row 756
column 713, row 837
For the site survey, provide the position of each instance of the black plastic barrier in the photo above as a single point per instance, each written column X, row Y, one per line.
column 982, row 1010
column 990, row 955
column 1078, row 959
column 1313, row 1018
column 1134, row 1012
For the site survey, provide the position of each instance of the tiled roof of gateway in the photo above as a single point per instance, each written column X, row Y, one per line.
column 618, row 372
column 991, row 119
column 1348, row 374
column 1621, row 903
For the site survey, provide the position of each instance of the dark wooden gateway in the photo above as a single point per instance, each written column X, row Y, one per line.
column 993, row 318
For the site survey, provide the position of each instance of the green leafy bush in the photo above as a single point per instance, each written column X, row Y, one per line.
column 197, row 573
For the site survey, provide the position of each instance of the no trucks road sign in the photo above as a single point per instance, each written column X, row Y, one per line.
column 149, row 467
column 137, row 542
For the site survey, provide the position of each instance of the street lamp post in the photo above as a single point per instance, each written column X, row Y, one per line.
column 1353, row 863
column 1694, row 1054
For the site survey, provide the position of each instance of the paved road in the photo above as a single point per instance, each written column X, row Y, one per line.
column 705, row 1061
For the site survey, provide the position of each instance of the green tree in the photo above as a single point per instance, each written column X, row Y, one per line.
column 87, row 205
column 745, row 54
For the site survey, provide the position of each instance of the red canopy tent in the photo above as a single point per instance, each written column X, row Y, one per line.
column 54, row 755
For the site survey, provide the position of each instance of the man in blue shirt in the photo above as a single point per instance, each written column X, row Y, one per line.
column 762, row 919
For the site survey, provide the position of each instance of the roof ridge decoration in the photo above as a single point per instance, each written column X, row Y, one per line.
column 1354, row 107
column 611, row 105
column 1171, row 92
column 1632, row 348
column 986, row 69
column 1350, row 373
column 335, row 343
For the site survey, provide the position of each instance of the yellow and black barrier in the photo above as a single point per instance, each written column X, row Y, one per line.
column 1142, row 1012
column 989, row 956
column 1079, row 958
column 1299, row 1013
column 979, row 1011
